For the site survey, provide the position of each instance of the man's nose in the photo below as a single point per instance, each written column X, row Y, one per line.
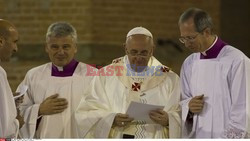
column 61, row 51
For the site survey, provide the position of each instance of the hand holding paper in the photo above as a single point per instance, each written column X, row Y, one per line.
column 160, row 117
column 140, row 111
column 122, row 120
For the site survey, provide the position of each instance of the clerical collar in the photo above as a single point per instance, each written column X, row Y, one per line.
column 204, row 52
column 65, row 71
column 213, row 50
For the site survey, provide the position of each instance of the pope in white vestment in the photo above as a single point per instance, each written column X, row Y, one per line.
column 214, row 82
column 56, row 88
column 117, row 85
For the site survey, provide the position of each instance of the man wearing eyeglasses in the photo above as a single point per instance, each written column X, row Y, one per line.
column 214, row 81
column 139, row 77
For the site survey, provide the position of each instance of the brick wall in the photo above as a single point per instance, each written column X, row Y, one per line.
column 100, row 21
column 102, row 26
column 112, row 19
column 32, row 17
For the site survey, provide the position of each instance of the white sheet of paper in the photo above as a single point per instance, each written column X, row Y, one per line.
column 21, row 91
column 140, row 111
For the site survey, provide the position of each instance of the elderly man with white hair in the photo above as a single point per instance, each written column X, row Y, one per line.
column 55, row 88
column 135, row 77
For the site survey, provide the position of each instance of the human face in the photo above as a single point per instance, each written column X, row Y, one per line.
column 8, row 44
column 61, row 50
column 139, row 49
column 193, row 40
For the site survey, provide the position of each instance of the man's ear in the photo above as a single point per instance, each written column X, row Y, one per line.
column 154, row 47
column 153, row 50
column 124, row 45
column 2, row 41
column 207, row 32
column 125, row 48
column 76, row 49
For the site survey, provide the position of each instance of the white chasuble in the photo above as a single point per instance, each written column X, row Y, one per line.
column 112, row 94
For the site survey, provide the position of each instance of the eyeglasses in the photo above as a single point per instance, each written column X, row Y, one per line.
column 188, row 38
column 142, row 54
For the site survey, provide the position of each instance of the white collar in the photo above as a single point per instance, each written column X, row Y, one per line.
column 59, row 68
column 204, row 52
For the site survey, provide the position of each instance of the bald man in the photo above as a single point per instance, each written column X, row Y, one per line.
column 135, row 77
column 9, row 120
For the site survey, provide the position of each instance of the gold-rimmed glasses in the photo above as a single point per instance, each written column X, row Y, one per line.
column 188, row 38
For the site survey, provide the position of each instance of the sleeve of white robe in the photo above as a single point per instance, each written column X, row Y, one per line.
column 29, row 111
column 186, row 96
column 174, row 110
column 9, row 125
column 238, row 89
column 248, row 95
column 93, row 116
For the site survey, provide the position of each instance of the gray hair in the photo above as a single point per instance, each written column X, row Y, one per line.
column 202, row 20
column 61, row 29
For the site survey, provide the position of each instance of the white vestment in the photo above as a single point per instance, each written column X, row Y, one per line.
column 224, row 83
column 9, row 125
column 42, row 85
column 112, row 94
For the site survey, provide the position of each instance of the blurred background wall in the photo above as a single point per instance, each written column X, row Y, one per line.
column 103, row 24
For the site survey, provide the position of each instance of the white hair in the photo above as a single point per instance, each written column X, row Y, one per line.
column 61, row 29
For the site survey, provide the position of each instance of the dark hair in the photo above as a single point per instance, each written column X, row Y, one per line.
column 202, row 20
